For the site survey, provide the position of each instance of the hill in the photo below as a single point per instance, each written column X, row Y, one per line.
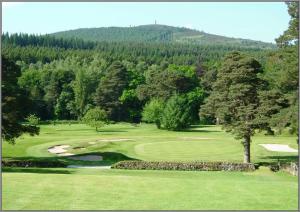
column 158, row 33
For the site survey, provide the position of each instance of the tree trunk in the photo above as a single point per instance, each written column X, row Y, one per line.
column 217, row 121
column 246, row 149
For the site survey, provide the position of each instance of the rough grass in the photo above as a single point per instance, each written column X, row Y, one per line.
column 92, row 189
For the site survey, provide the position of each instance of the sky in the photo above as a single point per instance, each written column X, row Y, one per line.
column 262, row 21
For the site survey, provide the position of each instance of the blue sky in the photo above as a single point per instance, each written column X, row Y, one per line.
column 256, row 20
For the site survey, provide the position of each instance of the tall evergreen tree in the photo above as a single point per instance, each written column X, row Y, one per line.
column 234, row 97
column 14, row 103
column 110, row 90
column 281, row 71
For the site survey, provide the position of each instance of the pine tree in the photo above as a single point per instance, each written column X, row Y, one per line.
column 110, row 89
column 234, row 97
column 14, row 104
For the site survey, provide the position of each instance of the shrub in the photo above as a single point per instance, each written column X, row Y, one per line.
column 95, row 117
column 31, row 163
column 33, row 119
column 184, row 166
column 177, row 113
column 152, row 112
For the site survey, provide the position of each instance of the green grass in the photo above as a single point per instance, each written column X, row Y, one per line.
column 207, row 143
column 168, row 190
column 70, row 189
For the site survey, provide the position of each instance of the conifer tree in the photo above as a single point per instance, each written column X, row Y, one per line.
column 234, row 97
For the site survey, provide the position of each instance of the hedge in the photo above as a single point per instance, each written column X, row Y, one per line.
column 32, row 163
column 184, row 166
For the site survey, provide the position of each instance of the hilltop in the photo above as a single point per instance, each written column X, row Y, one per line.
column 158, row 33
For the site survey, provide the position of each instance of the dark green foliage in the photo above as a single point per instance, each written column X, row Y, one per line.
column 110, row 90
column 234, row 98
column 158, row 33
column 149, row 52
column 184, row 166
column 291, row 35
column 32, row 163
column 176, row 114
column 23, row 39
column 14, row 103
column 281, row 71
column 163, row 83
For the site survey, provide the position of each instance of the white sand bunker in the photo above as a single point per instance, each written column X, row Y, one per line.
column 60, row 150
column 278, row 148
column 87, row 157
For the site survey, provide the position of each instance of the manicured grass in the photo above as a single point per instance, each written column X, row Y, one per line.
column 71, row 189
column 207, row 143
column 168, row 190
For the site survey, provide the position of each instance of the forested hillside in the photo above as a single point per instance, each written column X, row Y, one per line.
column 158, row 33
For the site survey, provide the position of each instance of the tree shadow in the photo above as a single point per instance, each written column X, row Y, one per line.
column 199, row 130
column 109, row 158
column 38, row 164
column 201, row 126
column 276, row 159
column 36, row 170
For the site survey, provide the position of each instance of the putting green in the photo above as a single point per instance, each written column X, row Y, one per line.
column 189, row 150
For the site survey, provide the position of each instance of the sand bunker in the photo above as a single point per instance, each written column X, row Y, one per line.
column 58, row 149
column 278, row 148
column 87, row 158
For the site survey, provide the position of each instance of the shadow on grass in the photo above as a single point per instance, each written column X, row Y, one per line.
column 276, row 159
column 36, row 170
column 40, row 163
column 201, row 126
column 199, row 130
column 109, row 158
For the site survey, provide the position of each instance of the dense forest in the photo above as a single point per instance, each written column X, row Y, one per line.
column 159, row 33
column 133, row 78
